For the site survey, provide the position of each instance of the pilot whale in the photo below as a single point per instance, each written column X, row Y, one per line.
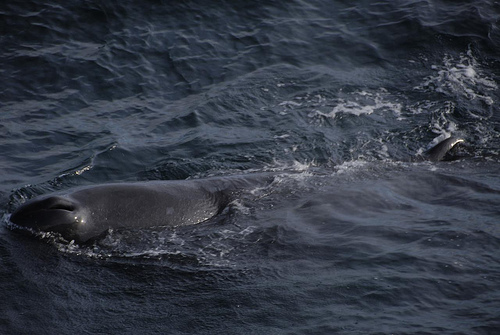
column 86, row 213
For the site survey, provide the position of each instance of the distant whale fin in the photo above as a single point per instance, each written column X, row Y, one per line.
column 439, row 151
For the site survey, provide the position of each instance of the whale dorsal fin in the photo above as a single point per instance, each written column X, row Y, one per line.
column 439, row 151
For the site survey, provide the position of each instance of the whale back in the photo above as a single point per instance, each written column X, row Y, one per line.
column 88, row 212
column 439, row 151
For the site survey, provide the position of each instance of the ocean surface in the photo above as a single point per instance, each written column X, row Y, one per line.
column 354, row 236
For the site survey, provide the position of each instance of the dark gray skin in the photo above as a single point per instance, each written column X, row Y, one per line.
column 86, row 213
column 440, row 150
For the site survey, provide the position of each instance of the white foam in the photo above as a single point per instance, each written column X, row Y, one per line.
column 461, row 77
column 362, row 103
column 349, row 166
column 290, row 103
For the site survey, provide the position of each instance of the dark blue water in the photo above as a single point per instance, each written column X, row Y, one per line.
column 336, row 96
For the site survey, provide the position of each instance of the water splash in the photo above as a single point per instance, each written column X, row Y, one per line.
column 462, row 77
column 361, row 103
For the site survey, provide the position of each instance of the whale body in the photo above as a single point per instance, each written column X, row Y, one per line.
column 442, row 149
column 86, row 213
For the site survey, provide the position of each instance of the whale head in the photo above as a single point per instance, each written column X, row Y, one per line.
column 54, row 213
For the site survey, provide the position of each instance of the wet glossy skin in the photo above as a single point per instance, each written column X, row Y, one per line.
column 87, row 213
